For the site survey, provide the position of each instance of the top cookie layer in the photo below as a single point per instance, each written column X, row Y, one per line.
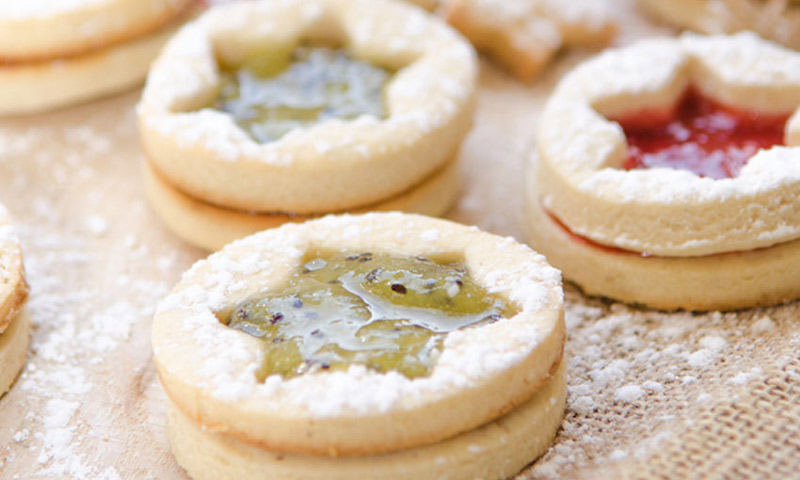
column 13, row 289
column 665, row 211
column 209, row 370
column 49, row 29
column 335, row 164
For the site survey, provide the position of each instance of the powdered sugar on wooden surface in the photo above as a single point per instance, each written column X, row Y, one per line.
column 94, row 281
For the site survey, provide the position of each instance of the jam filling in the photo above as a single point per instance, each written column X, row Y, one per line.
column 272, row 94
column 591, row 243
column 386, row 312
column 701, row 136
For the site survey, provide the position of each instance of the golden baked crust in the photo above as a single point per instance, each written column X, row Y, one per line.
column 777, row 20
column 335, row 165
column 44, row 85
column 523, row 35
column 13, row 349
column 662, row 211
column 210, row 227
column 495, row 450
column 13, row 288
column 208, row 369
column 14, row 321
column 728, row 281
column 35, row 30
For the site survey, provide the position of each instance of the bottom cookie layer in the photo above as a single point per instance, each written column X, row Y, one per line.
column 496, row 450
column 728, row 281
column 47, row 85
column 13, row 349
column 210, row 227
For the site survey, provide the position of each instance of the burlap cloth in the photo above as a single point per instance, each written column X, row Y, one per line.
column 651, row 394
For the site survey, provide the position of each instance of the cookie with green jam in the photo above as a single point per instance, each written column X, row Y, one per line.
column 361, row 335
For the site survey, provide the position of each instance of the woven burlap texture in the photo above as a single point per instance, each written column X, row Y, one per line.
column 678, row 395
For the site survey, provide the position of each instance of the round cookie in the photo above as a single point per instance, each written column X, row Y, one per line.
column 495, row 450
column 777, row 20
column 47, row 84
column 14, row 320
column 210, row 227
column 208, row 370
column 36, row 30
column 13, row 349
column 334, row 165
column 666, row 211
column 13, row 288
column 667, row 237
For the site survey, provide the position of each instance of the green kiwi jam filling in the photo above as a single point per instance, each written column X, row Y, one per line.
column 386, row 312
column 273, row 93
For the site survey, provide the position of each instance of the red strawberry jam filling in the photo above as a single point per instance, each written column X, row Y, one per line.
column 590, row 243
column 700, row 135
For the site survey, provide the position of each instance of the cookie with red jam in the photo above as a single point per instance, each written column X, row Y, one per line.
column 667, row 174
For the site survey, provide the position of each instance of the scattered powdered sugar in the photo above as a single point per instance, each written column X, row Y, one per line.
column 641, row 372
column 97, row 224
column 628, row 393
column 743, row 378
column 90, row 292
column 763, row 325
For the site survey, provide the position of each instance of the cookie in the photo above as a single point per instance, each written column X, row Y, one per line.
column 524, row 35
column 55, row 53
column 14, row 320
column 675, row 148
column 213, row 372
column 210, row 227
column 36, row 30
column 334, row 164
column 777, row 20
column 498, row 449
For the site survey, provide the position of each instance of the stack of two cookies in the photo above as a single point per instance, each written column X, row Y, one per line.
column 267, row 112
column 453, row 371
column 60, row 52
column 14, row 320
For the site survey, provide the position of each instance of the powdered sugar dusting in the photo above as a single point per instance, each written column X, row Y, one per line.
column 86, row 346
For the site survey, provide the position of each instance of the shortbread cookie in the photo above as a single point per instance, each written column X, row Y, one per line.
column 45, row 85
column 688, row 169
column 777, row 20
column 14, row 321
column 13, row 349
column 57, row 72
column 210, row 227
column 317, row 404
column 523, row 35
column 36, row 30
column 496, row 450
column 13, row 288
column 335, row 164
